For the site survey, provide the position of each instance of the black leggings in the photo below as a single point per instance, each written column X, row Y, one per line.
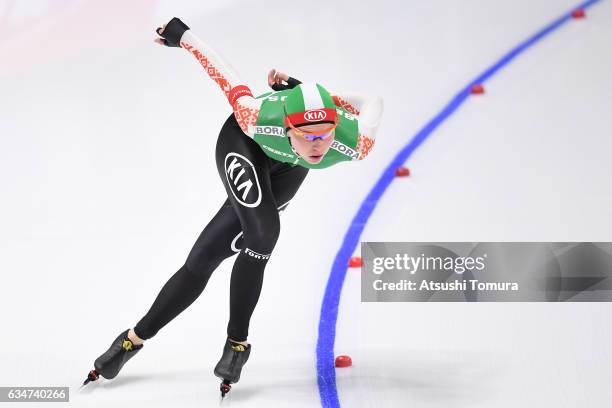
column 247, row 223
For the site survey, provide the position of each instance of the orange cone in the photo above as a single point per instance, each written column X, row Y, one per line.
column 402, row 171
column 477, row 89
column 343, row 361
column 355, row 262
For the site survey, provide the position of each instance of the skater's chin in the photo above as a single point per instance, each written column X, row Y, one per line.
column 314, row 158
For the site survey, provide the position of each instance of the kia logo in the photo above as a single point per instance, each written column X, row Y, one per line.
column 240, row 173
column 315, row 115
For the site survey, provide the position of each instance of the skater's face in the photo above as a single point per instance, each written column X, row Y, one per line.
column 311, row 150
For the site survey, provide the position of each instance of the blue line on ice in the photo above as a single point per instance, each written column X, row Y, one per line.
column 326, row 374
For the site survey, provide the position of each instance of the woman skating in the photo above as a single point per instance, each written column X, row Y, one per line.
column 263, row 153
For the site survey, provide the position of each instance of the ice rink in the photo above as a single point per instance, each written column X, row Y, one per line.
column 108, row 176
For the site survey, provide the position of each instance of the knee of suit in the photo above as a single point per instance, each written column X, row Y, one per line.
column 262, row 239
column 203, row 260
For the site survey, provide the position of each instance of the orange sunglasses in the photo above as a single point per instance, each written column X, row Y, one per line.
column 323, row 134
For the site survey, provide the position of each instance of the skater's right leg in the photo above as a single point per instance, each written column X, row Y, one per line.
column 212, row 246
column 185, row 286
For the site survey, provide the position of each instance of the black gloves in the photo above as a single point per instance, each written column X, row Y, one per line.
column 173, row 32
column 292, row 83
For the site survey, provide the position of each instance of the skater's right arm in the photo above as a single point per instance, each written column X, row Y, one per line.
column 245, row 106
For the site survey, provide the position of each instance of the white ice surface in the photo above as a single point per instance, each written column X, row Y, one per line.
column 107, row 175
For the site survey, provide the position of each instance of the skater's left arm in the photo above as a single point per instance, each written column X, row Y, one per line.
column 368, row 110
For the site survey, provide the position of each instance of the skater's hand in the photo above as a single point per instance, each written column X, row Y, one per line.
column 160, row 31
column 171, row 33
column 276, row 77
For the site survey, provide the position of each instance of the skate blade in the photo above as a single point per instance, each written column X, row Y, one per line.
column 91, row 377
column 225, row 387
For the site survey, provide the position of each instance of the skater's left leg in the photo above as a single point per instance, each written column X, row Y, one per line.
column 244, row 170
column 246, row 282
column 260, row 233
column 246, row 285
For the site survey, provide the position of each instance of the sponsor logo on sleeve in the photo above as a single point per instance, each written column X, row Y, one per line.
column 268, row 130
column 345, row 150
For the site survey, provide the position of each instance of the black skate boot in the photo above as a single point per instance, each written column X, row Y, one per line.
column 235, row 355
column 109, row 364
